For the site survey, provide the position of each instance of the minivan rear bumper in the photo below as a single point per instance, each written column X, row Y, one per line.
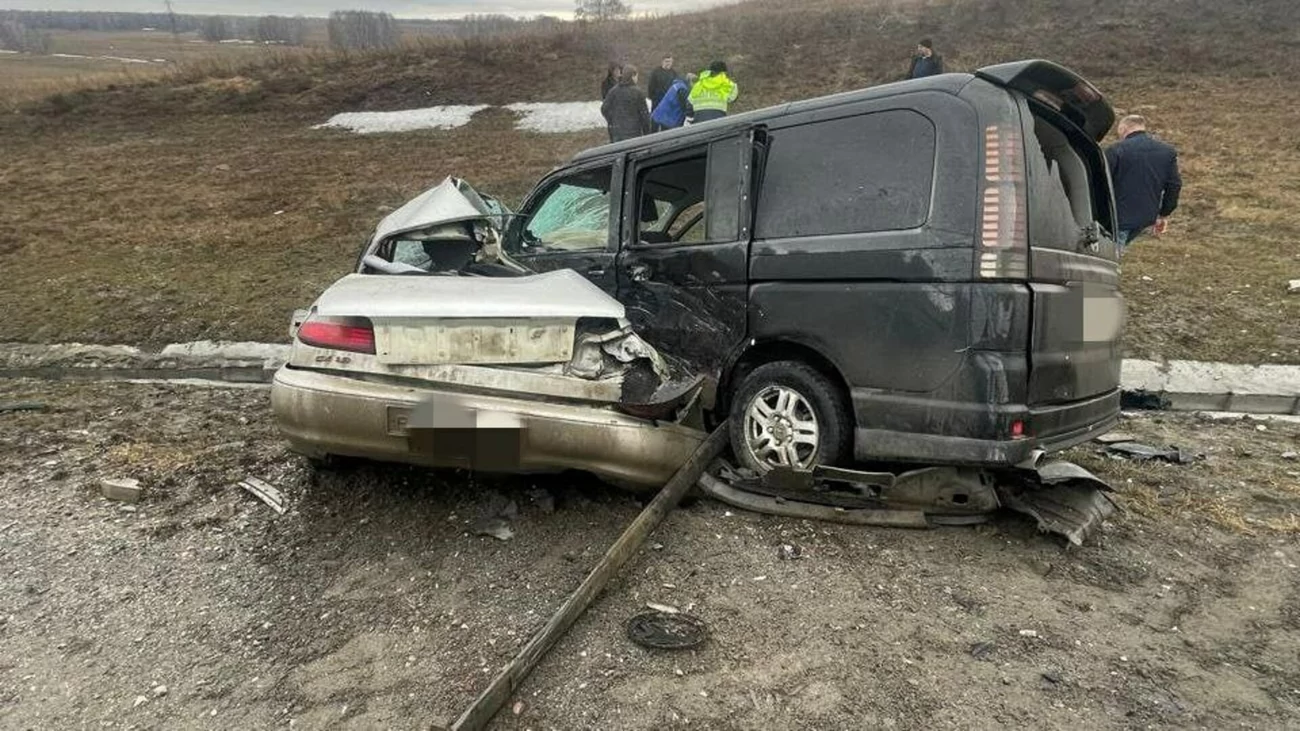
column 973, row 434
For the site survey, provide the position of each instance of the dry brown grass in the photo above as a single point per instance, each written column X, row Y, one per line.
column 1241, row 484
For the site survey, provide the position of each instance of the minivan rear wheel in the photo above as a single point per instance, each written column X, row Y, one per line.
column 787, row 414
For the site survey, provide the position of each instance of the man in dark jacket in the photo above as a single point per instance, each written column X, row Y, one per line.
column 1144, row 171
column 660, row 80
column 926, row 62
column 625, row 108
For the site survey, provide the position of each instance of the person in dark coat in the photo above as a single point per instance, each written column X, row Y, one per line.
column 1144, row 171
column 625, row 108
column 926, row 62
column 661, row 79
column 610, row 80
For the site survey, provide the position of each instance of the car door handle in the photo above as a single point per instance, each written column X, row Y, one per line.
column 596, row 271
column 639, row 273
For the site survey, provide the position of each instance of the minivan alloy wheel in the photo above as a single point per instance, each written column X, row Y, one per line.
column 781, row 428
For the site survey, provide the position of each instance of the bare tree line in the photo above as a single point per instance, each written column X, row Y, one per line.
column 15, row 36
column 266, row 29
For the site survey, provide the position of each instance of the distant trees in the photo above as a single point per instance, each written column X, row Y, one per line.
column 89, row 20
column 15, row 36
column 279, row 29
column 214, row 29
column 359, row 29
column 602, row 10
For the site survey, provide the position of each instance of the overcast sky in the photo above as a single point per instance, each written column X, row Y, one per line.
column 322, row 8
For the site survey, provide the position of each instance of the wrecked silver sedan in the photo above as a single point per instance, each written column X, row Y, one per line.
column 488, row 367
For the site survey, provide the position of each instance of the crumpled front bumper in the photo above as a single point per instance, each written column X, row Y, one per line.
column 325, row 414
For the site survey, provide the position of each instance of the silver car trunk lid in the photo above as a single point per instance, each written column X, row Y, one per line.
column 421, row 320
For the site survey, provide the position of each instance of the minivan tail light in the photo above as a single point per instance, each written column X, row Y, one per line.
column 1004, row 237
column 354, row 334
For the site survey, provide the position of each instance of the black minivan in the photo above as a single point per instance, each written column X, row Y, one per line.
column 923, row 271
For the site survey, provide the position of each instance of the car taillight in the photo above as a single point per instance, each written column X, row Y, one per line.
column 1004, row 238
column 354, row 334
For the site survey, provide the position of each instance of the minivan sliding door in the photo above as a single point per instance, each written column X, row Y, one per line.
column 684, row 262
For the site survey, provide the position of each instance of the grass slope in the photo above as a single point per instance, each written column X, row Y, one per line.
column 200, row 205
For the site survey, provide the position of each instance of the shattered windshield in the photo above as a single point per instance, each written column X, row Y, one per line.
column 573, row 216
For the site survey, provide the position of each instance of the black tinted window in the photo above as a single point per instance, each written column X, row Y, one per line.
column 871, row 172
column 692, row 200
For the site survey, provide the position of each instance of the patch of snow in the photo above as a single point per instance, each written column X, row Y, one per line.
column 5, row 50
column 558, row 117
column 445, row 117
column 119, row 59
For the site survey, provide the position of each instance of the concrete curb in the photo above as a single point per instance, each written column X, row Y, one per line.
column 1179, row 385
column 1186, row 385
column 207, row 360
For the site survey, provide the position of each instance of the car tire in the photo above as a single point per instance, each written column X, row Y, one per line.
column 808, row 396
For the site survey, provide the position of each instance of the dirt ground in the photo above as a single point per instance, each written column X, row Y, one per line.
column 372, row 604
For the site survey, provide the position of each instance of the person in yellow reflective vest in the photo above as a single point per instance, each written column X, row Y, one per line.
column 713, row 93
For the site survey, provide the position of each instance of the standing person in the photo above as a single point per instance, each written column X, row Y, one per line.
column 925, row 62
column 713, row 93
column 611, row 80
column 660, row 80
column 625, row 108
column 671, row 112
column 1144, row 171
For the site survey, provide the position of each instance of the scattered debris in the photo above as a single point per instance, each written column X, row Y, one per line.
column 666, row 631
column 789, row 552
column 160, row 691
column 981, row 650
column 1115, row 437
column 664, row 608
column 1052, row 677
column 492, row 698
column 125, row 490
column 1291, row 455
column 1029, row 633
column 273, row 498
column 1293, row 286
column 8, row 406
column 518, row 708
column 543, row 499
column 494, row 527
column 1138, row 452
column 510, row 511
column 1142, row 400
column 140, row 700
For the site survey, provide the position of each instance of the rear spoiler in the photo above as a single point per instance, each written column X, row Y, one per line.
column 1059, row 88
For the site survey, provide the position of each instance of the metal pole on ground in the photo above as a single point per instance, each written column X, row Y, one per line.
column 495, row 696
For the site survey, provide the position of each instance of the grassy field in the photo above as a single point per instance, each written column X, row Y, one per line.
column 94, row 59
column 199, row 204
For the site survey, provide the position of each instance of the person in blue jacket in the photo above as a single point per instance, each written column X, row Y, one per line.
column 673, row 110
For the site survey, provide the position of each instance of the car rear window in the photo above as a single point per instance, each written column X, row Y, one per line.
column 1067, row 184
column 871, row 172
